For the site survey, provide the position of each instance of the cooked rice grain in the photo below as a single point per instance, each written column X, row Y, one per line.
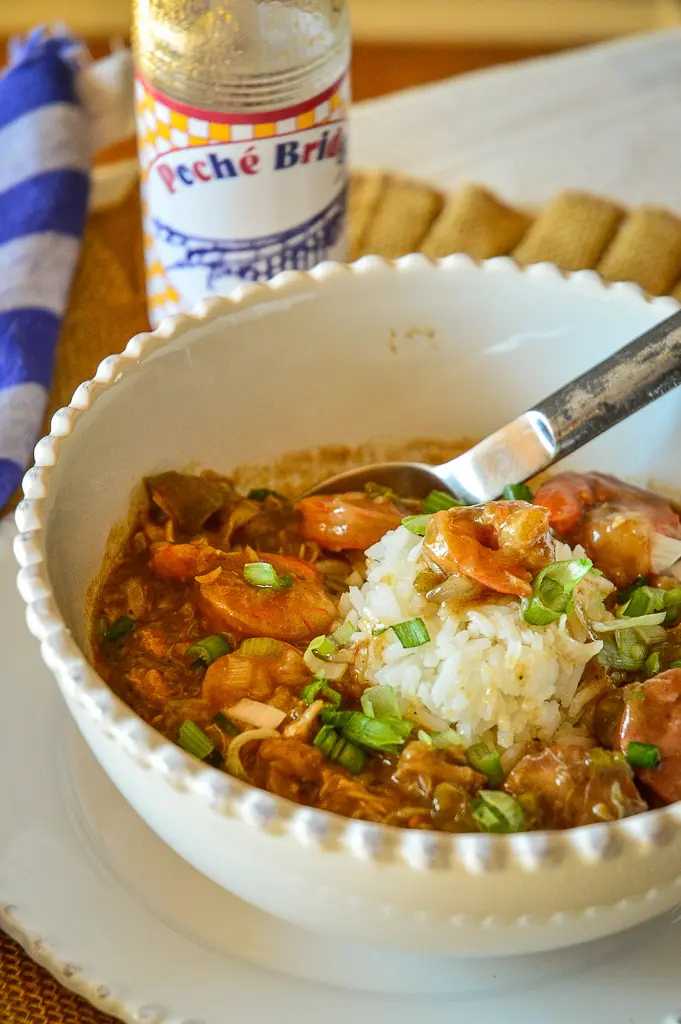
column 484, row 667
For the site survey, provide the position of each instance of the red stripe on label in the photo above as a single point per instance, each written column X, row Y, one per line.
column 254, row 118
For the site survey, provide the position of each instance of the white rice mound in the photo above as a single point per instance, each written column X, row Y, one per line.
column 484, row 667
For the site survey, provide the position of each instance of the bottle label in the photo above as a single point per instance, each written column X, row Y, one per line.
column 232, row 198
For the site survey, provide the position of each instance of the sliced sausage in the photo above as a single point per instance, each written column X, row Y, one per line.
column 299, row 612
column 653, row 715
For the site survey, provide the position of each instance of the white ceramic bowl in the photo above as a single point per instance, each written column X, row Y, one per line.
column 343, row 355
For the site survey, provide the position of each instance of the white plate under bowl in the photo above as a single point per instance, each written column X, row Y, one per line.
column 114, row 914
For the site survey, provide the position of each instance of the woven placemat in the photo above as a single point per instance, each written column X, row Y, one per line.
column 390, row 216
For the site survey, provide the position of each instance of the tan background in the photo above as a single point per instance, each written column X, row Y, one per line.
column 518, row 22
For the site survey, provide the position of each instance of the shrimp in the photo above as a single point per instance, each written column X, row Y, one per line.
column 613, row 521
column 257, row 676
column 340, row 522
column 183, row 562
column 297, row 613
column 569, row 496
column 499, row 545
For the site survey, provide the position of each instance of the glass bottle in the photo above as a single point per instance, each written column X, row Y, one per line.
column 241, row 112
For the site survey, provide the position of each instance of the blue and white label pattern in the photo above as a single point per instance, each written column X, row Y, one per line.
column 228, row 200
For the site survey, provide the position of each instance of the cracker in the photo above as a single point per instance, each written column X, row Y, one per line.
column 573, row 231
column 364, row 195
column 647, row 250
column 474, row 221
column 403, row 218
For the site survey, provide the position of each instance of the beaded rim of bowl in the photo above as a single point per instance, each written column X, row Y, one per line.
column 367, row 841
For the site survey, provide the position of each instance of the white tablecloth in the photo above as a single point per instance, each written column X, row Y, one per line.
column 606, row 119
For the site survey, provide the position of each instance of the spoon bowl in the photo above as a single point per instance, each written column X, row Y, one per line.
column 413, row 478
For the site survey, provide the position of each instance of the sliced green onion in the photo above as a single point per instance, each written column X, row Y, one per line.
column 675, row 664
column 380, row 702
column 643, row 755
column 653, row 619
column 644, row 601
column 325, row 647
column 425, row 737
column 554, row 584
column 610, row 657
column 416, row 524
column 336, row 748
column 326, row 740
column 324, row 666
column 386, row 734
column 536, row 614
column 342, row 636
column 209, row 649
column 224, row 723
column 261, row 493
column 486, row 761
column 380, row 630
column 412, row 633
column 626, row 654
column 438, row 501
column 672, row 604
column 120, row 628
column 320, row 689
column 322, row 647
column 496, row 811
column 262, row 646
column 624, row 595
column 630, row 647
column 652, row 664
column 448, row 738
column 552, row 590
column 352, row 758
column 651, row 635
column 517, row 492
column 194, row 740
column 263, row 574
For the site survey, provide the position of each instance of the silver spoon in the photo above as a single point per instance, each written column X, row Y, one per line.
column 610, row 392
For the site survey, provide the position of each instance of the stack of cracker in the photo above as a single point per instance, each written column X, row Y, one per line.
column 391, row 216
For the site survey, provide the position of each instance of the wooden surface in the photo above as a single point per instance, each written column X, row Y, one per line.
column 380, row 68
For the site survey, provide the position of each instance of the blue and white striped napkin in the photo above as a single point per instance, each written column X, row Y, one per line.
column 45, row 157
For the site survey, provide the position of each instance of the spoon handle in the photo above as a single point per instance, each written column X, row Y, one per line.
column 627, row 381
column 630, row 379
